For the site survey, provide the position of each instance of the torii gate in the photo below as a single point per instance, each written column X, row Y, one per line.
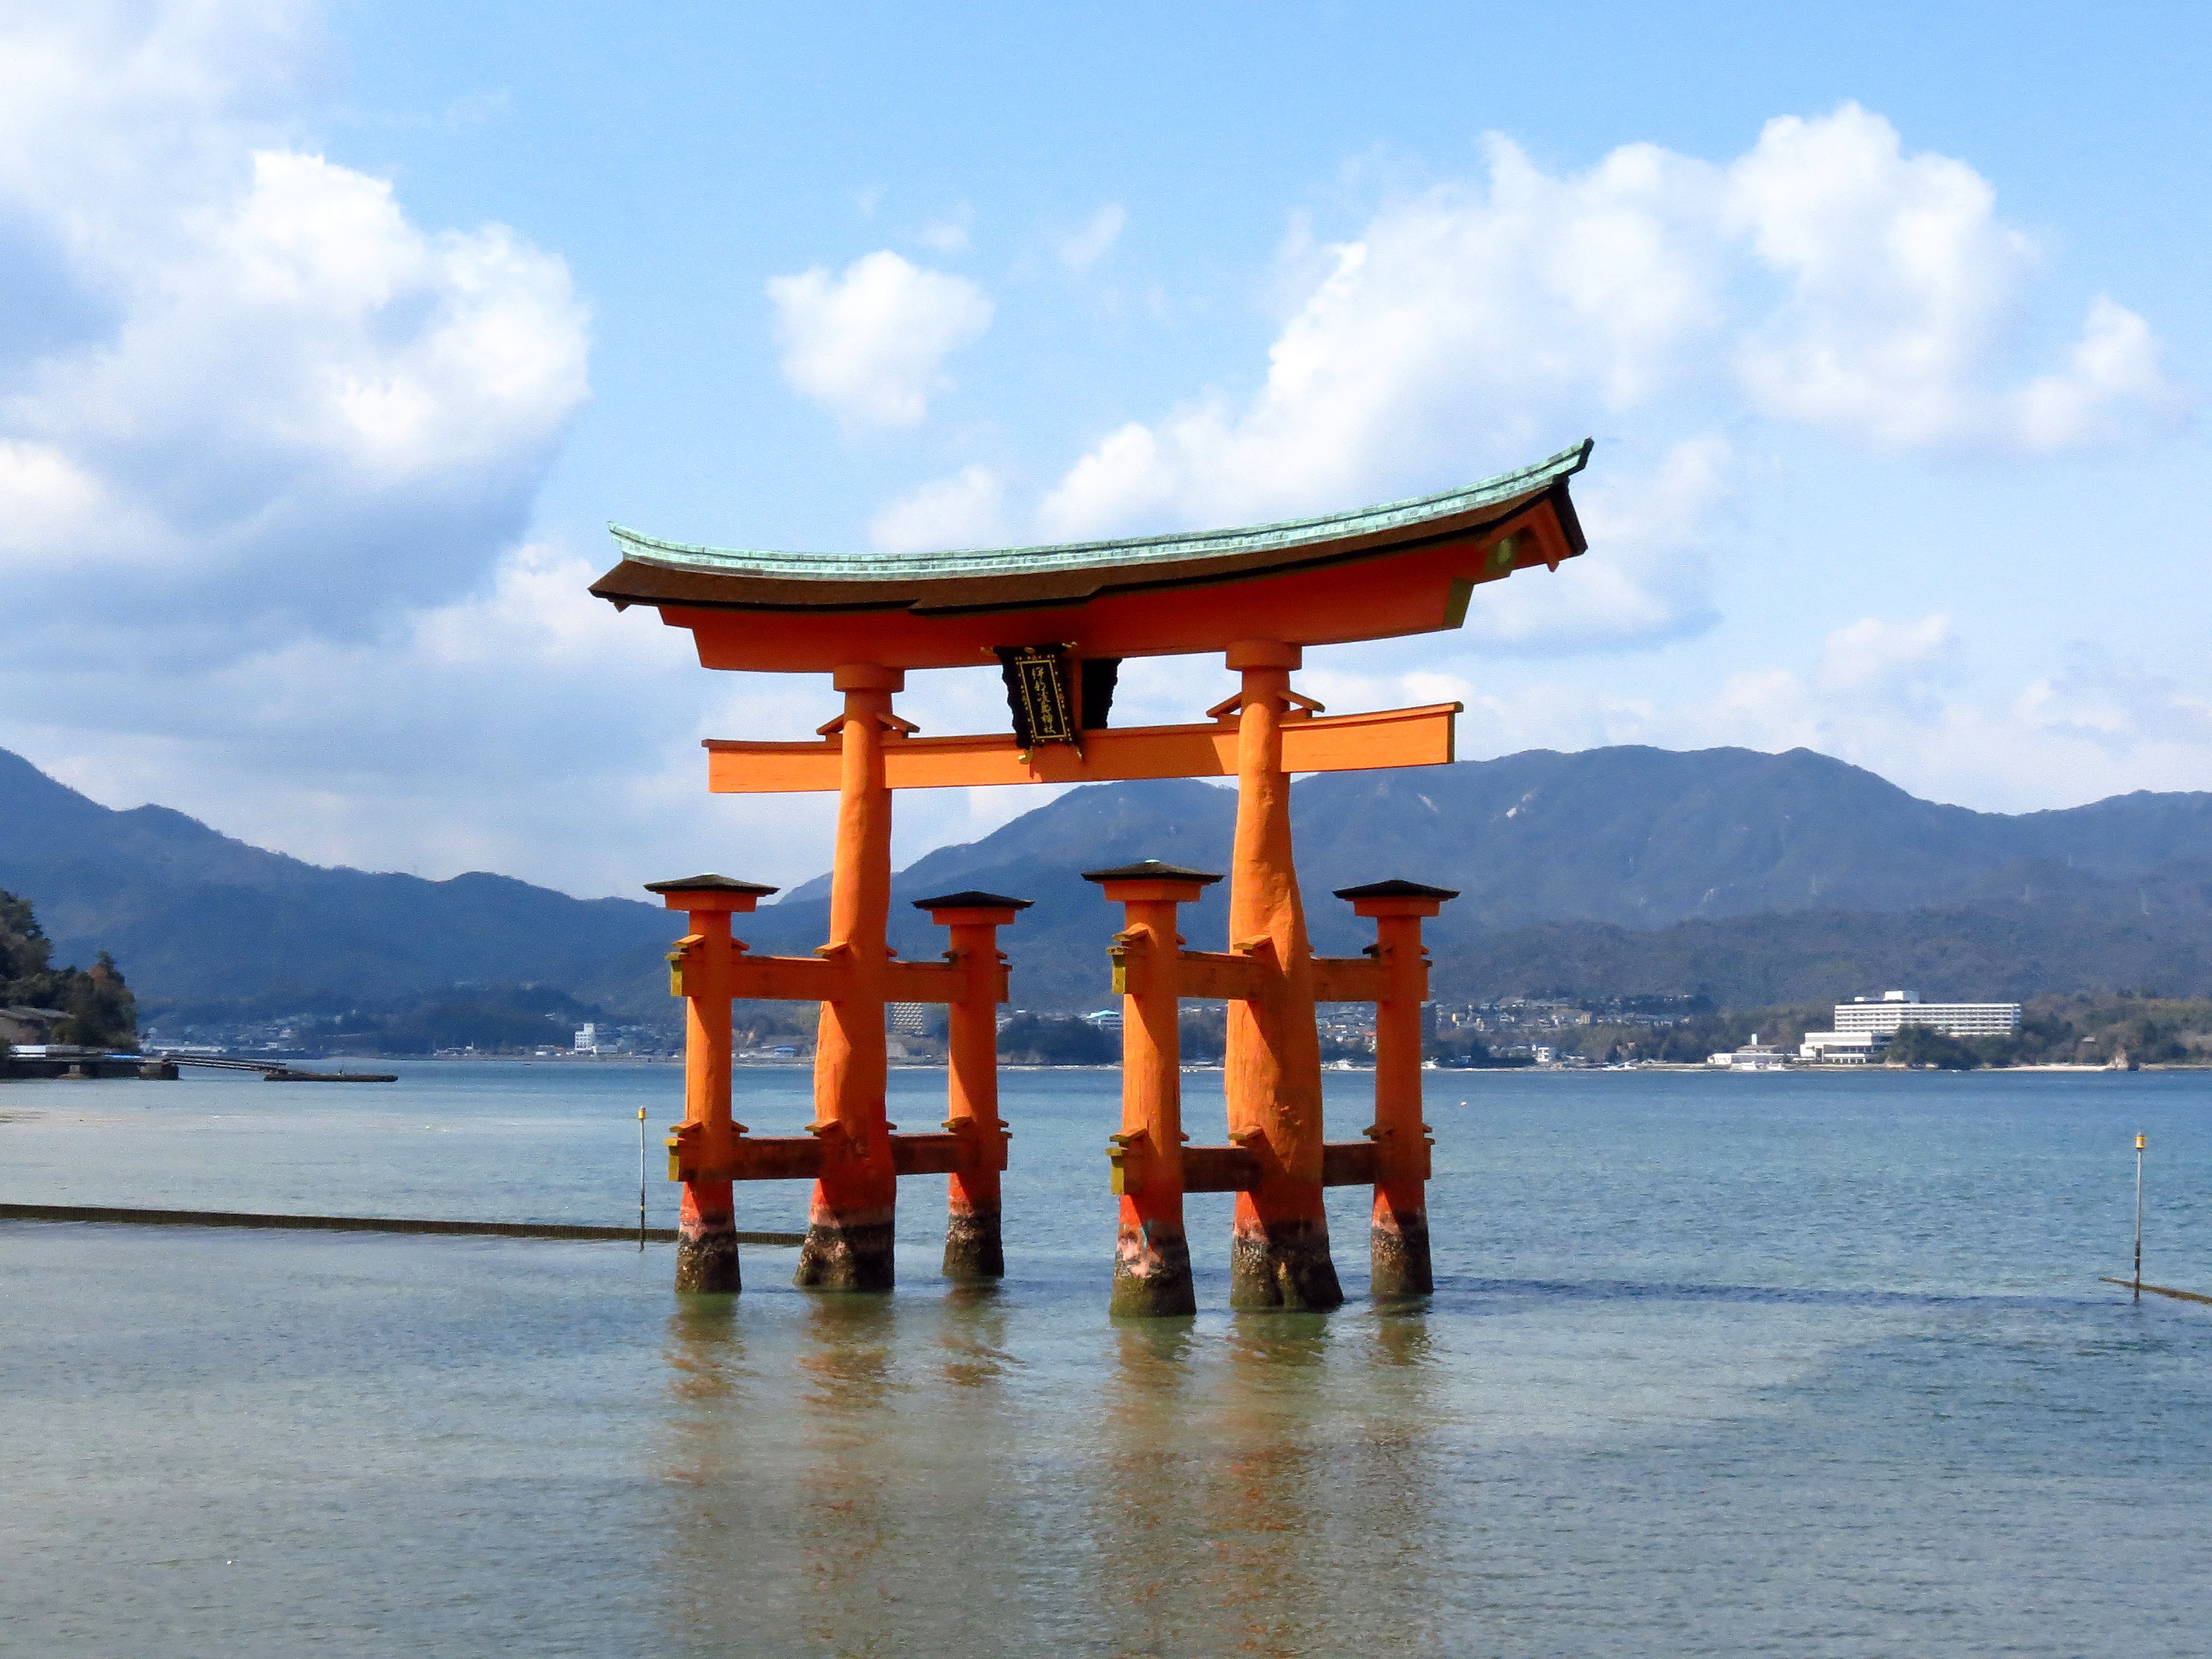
column 1058, row 620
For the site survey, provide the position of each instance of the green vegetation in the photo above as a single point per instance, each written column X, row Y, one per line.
column 491, row 1019
column 1042, row 1039
column 1464, row 1052
column 98, row 1009
column 2126, row 1027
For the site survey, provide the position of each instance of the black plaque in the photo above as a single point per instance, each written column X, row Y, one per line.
column 1036, row 694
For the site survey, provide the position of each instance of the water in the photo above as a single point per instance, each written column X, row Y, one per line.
column 1793, row 1365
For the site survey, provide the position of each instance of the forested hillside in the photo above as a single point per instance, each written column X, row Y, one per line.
column 1750, row 878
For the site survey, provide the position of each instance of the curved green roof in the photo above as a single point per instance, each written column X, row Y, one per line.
column 1290, row 536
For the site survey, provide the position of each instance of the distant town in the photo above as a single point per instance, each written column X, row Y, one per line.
column 1884, row 1029
column 65, row 1021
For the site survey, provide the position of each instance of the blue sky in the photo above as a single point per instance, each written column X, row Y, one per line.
column 339, row 333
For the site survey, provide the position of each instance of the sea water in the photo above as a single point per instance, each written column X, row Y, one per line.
column 1769, row 1364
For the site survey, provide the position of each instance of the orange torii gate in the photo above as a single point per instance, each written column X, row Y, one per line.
column 1058, row 620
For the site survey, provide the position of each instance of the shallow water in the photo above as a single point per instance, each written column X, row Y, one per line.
column 1716, row 1365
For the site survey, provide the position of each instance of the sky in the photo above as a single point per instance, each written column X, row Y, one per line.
column 332, row 336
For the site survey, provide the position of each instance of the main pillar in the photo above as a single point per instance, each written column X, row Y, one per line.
column 1398, row 1235
column 1278, row 1254
column 1152, row 1252
column 974, row 1251
column 699, row 972
column 849, row 1222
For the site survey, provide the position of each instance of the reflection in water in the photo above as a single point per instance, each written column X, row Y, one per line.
column 846, row 1477
column 1246, row 1482
column 707, row 1387
column 973, row 1337
column 847, row 1501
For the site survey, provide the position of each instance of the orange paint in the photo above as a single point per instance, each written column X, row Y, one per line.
column 706, row 1223
column 1418, row 591
column 1332, row 742
column 848, row 1235
column 1399, row 1232
column 1151, row 1251
column 1279, row 1252
column 973, row 1246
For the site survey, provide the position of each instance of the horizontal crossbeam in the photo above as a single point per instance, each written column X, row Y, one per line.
column 1322, row 743
column 824, row 979
column 1235, row 1170
column 1219, row 976
column 1347, row 979
column 801, row 1158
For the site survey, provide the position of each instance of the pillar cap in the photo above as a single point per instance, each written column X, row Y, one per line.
column 1151, row 870
column 1396, row 898
column 867, row 677
column 709, row 892
column 997, row 907
column 1149, row 879
column 1264, row 654
column 1395, row 888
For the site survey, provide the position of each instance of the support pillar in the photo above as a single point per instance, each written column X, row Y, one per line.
column 1398, row 1236
column 1152, row 1252
column 974, row 1252
column 849, row 1221
column 699, row 972
column 1278, row 1254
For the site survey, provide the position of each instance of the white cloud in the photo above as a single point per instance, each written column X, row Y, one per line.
column 950, row 234
column 1648, row 576
column 1085, row 247
column 1902, row 287
column 1907, row 663
column 1455, row 334
column 281, row 440
column 254, row 394
column 1824, row 278
column 869, row 345
column 2118, row 707
column 2092, row 728
column 965, row 510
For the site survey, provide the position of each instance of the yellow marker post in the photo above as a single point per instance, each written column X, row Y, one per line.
column 2139, row 1155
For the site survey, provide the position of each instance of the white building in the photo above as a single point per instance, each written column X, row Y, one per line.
column 907, row 1018
column 1842, row 1048
column 1754, row 1056
column 1893, row 1010
column 587, row 1040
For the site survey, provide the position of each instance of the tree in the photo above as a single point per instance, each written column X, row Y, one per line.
column 1041, row 1040
column 97, row 1007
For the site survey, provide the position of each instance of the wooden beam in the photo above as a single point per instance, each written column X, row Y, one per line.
column 1219, row 975
column 1347, row 1164
column 798, row 1158
column 1322, row 743
column 928, row 982
column 1234, row 1170
column 928, row 1154
column 788, row 979
column 1347, row 979
column 1219, row 1170
column 755, row 1158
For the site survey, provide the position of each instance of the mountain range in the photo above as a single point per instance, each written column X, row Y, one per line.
column 1747, row 877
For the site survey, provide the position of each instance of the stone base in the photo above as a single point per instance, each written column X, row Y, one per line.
column 973, row 1251
column 1400, row 1249
column 707, row 1262
column 1151, row 1275
column 846, row 1256
column 1284, row 1264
